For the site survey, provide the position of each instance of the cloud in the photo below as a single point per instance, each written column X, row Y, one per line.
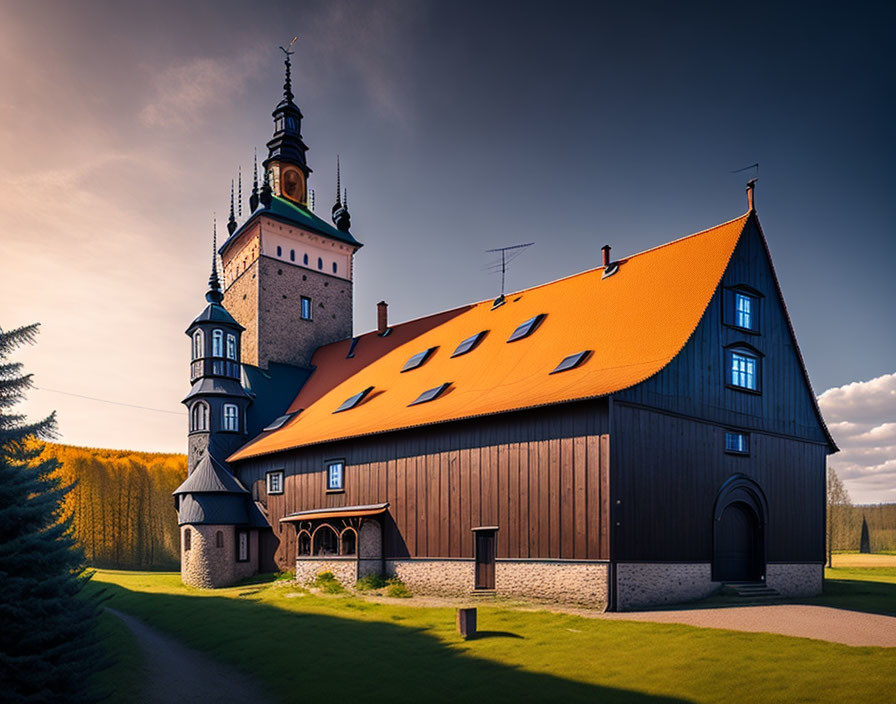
column 862, row 418
column 187, row 91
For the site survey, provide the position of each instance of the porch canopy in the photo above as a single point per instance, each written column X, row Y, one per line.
column 336, row 512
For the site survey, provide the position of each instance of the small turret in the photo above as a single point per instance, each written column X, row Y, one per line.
column 341, row 217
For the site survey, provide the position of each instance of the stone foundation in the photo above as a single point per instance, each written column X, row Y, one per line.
column 208, row 566
column 795, row 579
column 643, row 584
column 345, row 569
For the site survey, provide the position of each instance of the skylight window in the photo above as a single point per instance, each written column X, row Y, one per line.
column 353, row 401
column 431, row 394
column 469, row 344
column 417, row 359
column 526, row 328
column 279, row 422
column 572, row 361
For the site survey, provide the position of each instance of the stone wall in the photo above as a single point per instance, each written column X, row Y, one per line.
column 448, row 577
column 566, row 582
column 345, row 569
column 795, row 579
column 370, row 548
column 241, row 301
column 640, row 585
column 283, row 336
column 208, row 566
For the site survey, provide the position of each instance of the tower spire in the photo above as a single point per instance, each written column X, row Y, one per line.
column 231, row 223
column 253, row 199
column 341, row 217
column 287, row 84
column 239, row 197
column 214, row 294
column 266, row 194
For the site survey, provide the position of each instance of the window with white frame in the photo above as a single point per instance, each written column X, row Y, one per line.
column 231, row 417
column 217, row 343
column 275, row 482
column 743, row 311
column 743, row 370
column 231, row 346
column 199, row 416
column 336, row 475
column 197, row 345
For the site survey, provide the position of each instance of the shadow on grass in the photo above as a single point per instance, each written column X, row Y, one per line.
column 495, row 634
column 307, row 656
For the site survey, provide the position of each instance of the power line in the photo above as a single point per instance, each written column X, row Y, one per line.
column 105, row 400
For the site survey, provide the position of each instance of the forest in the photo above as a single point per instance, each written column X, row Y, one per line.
column 122, row 510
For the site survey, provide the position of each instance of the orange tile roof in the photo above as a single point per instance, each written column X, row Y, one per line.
column 635, row 322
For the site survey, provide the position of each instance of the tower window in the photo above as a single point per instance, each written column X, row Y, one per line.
column 292, row 255
column 197, row 345
column 335, row 267
column 306, row 308
column 219, row 539
column 187, row 538
column 305, row 260
column 275, row 482
column 336, row 475
column 242, row 546
column 231, row 417
column 320, row 263
column 279, row 251
column 743, row 370
column 217, row 343
column 231, row 346
column 199, row 416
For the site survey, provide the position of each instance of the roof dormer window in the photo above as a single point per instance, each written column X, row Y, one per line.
column 526, row 328
column 468, row 344
column 430, row 394
column 418, row 359
column 353, row 401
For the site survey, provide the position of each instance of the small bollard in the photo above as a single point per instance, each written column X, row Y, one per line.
column 466, row 623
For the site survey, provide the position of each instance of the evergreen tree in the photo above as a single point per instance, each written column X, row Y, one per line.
column 48, row 645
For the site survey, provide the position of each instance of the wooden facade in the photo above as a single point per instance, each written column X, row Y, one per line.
column 541, row 476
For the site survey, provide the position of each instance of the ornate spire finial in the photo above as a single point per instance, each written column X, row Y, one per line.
column 231, row 223
column 253, row 199
column 337, row 206
column 287, row 85
column 239, row 196
column 214, row 294
column 345, row 197
column 266, row 196
column 341, row 217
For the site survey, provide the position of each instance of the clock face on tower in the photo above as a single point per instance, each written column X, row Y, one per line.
column 292, row 185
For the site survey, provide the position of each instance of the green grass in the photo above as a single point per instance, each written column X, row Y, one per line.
column 309, row 646
column 121, row 678
column 859, row 588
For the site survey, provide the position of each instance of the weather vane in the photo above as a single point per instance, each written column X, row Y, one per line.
column 287, row 49
column 737, row 171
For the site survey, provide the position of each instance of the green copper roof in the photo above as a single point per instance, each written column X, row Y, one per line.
column 294, row 214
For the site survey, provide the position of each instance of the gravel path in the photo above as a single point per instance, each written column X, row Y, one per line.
column 176, row 673
column 819, row 622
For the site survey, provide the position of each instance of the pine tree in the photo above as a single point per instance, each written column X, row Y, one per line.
column 48, row 645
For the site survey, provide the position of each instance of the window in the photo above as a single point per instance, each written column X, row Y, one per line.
column 526, row 328
column 280, row 421
column 219, row 539
column 305, row 260
column 743, row 311
column 743, row 370
column 306, row 308
column 304, row 543
column 430, row 394
column 335, row 267
column 217, row 343
column 320, row 263
column 279, row 251
column 348, row 542
column 292, row 255
column 336, row 476
column 231, row 346
column 572, row 361
column 197, row 345
column 741, row 308
column 242, row 546
column 231, row 417
column 417, row 359
column 199, row 416
column 468, row 344
column 275, row 482
column 737, row 443
column 187, row 538
column 326, row 542
column 353, row 401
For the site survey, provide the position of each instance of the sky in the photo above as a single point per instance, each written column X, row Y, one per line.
column 461, row 126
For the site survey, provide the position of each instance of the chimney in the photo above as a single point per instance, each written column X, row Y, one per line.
column 605, row 251
column 382, row 317
column 751, row 187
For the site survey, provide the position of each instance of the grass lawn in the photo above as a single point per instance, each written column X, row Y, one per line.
column 121, row 679
column 306, row 646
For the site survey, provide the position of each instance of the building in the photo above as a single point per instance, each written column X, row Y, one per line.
column 638, row 433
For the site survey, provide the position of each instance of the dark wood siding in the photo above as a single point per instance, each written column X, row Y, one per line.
column 542, row 476
column 667, row 472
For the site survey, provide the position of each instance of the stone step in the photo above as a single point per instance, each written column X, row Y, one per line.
column 751, row 591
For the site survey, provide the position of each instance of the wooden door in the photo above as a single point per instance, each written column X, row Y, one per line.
column 736, row 549
column 485, row 559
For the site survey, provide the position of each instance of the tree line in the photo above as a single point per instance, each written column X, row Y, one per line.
column 121, row 508
column 844, row 521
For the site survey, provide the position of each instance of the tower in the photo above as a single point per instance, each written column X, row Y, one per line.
column 288, row 273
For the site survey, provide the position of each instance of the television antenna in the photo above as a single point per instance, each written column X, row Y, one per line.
column 508, row 254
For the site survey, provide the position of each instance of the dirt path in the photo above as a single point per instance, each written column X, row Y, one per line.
column 176, row 673
column 819, row 622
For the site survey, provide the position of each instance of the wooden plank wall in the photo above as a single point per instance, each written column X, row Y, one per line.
column 667, row 472
column 541, row 476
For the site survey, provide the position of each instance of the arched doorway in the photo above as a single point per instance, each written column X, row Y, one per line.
column 739, row 521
